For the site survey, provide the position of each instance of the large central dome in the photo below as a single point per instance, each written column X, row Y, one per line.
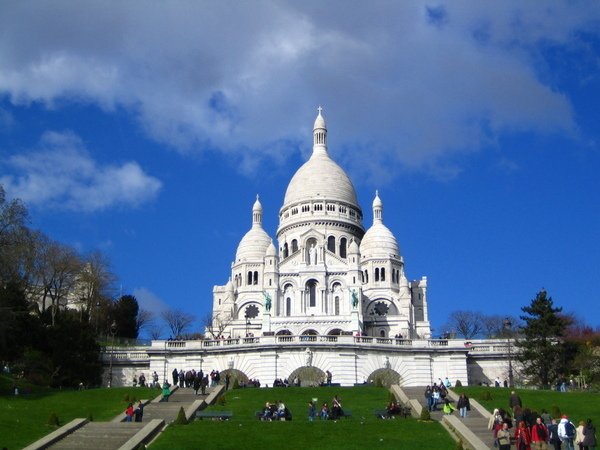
column 320, row 178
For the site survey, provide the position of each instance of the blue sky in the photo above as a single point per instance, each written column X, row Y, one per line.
column 146, row 130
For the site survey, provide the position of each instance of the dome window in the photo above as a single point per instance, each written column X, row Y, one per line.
column 294, row 246
column 331, row 244
column 343, row 246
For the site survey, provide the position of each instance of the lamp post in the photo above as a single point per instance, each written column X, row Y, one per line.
column 508, row 329
column 113, row 331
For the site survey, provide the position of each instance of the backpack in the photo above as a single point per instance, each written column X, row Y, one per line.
column 569, row 430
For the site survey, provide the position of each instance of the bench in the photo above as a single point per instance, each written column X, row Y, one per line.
column 214, row 415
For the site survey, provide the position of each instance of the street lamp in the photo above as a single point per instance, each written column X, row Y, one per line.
column 508, row 329
column 113, row 331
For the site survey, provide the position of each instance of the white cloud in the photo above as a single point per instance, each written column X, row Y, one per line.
column 405, row 84
column 149, row 301
column 62, row 174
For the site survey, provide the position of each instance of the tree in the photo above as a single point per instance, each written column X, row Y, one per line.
column 94, row 285
column 177, row 321
column 467, row 324
column 14, row 238
column 144, row 320
column 125, row 315
column 215, row 325
column 541, row 351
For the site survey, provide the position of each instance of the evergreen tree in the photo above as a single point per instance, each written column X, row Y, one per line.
column 542, row 352
column 125, row 313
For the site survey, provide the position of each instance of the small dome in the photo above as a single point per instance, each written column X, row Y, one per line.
column 353, row 247
column 319, row 121
column 257, row 207
column 271, row 250
column 377, row 203
column 253, row 245
column 378, row 242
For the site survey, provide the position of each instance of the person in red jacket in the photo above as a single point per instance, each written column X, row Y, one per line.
column 539, row 435
column 522, row 437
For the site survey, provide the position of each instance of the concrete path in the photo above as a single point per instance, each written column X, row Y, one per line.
column 120, row 435
column 472, row 430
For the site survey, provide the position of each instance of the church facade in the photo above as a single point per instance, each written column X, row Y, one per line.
column 324, row 274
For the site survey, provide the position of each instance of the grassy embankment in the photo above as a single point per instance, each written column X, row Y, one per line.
column 23, row 419
column 362, row 431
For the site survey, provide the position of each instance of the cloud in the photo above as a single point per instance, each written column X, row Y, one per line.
column 61, row 174
column 404, row 84
column 149, row 301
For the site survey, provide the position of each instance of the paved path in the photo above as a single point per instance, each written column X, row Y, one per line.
column 475, row 421
column 113, row 435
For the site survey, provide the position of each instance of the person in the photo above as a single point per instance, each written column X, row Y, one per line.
column 539, row 435
column 336, row 408
column 514, row 401
column 589, row 436
column 553, row 438
column 566, row 432
column 155, row 379
column 311, row 411
column 139, row 412
column 324, row 414
column 448, row 407
column 447, row 382
column 227, row 379
column 197, row 383
column 393, row 409
column 175, row 375
column 280, row 410
column 503, row 437
column 463, row 405
column 329, row 377
column 142, row 380
column 129, row 413
column 497, row 382
column 429, row 398
column 579, row 434
column 267, row 413
column 435, row 397
column 522, row 437
column 135, row 381
column 166, row 391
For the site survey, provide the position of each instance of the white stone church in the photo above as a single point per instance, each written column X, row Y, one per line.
column 327, row 275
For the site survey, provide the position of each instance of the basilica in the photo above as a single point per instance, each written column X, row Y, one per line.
column 325, row 274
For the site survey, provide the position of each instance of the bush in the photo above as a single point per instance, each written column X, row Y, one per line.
column 425, row 415
column 53, row 420
column 459, row 445
column 458, row 384
column 181, row 419
column 90, row 417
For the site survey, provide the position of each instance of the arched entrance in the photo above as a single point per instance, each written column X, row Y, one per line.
column 307, row 376
column 384, row 377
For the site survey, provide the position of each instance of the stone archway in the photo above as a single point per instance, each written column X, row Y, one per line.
column 236, row 378
column 384, row 377
column 307, row 376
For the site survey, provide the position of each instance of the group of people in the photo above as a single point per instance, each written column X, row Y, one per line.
column 539, row 431
column 275, row 411
column 134, row 414
column 141, row 380
column 326, row 412
column 435, row 395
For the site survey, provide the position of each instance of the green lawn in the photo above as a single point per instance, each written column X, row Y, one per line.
column 23, row 418
column 362, row 431
column 577, row 405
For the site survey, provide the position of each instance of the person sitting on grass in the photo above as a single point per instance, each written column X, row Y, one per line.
column 336, row 408
column 393, row 409
column 281, row 410
column 324, row 414
column 267, row 413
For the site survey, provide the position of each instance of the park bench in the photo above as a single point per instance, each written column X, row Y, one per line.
column 214, row 415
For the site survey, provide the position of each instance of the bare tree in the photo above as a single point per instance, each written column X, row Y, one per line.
column 155, row 330
column 177, row 321
column 467, row 324
column 215, row 325
column 144, row 320
column 94, row 283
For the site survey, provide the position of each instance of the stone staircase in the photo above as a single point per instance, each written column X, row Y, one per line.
column 471, row 429
column 120, row 435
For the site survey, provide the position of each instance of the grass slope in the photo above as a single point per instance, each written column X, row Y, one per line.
column 577, row 405
column 362, row 431
column 23, row 418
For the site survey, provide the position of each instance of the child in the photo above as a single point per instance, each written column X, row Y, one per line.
column 311, row 411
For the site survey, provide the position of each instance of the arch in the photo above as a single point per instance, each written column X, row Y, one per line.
column 382, row 274
column 309, row 332
column 288, row 306
column 384, row 377
column 284, row 250
column 343, row 247
column 331, row 244
column 307, row 376
column 336, row 306
column 284, row 332
column 335, row 332
column 255, row 277
column 249, row 280
column 294, row 246
column 366, row 276
column 376, row 273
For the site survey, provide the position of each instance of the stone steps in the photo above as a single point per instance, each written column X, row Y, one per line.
column 99, row 435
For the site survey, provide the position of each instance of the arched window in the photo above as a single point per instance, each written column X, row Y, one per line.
column 285, row 250
column 249, row 282
column 255, row 277
column 343, row 244
column 331, row 244
column 294, row 246
column 377, row 274
column 336, row 306
column 383, row 274
column 288, row 306
column 382, row 333
column 311, row 288
column 366, row 276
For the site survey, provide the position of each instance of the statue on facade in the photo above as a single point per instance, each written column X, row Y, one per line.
column 313, row 255
column 309, row 356
column 354, row 299
column 267, row 301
